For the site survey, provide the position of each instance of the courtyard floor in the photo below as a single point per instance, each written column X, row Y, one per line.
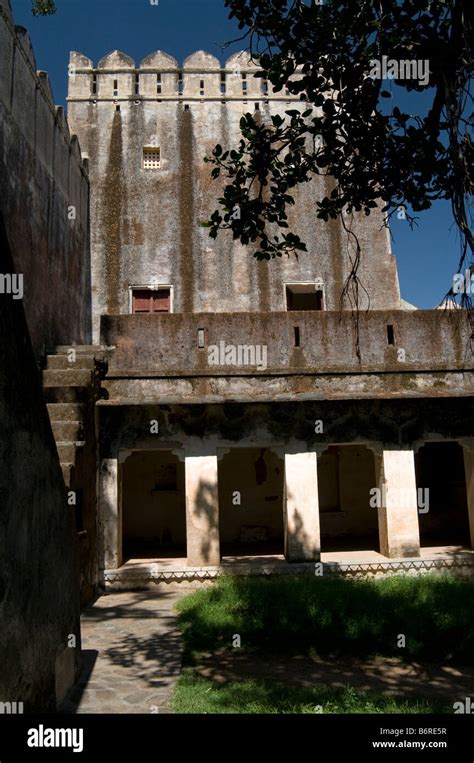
column 132, row 659
column 132, row 654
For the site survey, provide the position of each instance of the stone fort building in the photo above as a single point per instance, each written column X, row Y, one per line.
column 236, row 419
column 171, row 407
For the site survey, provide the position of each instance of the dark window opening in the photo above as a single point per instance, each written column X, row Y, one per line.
column 180, row 83
column 94, row 84
column 297, row 336
column 390, row 334
column 223, row 83
column 151, row 301
column 304, row 297
column 137, row 84
column 158, row 84
column 115, row 87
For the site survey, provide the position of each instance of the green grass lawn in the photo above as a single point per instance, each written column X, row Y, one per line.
column 329, row 618
column 198, row 695
column 333, row 617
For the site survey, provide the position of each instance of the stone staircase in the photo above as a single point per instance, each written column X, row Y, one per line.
column 71, row 385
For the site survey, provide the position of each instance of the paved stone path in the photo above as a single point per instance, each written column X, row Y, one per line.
column 131, row 656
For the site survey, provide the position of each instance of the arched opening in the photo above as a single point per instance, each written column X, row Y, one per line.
column 346, row 475
column 251, row 502
column 442, row 497
column 153, row 506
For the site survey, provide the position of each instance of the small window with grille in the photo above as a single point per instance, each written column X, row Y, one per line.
column 151, row 158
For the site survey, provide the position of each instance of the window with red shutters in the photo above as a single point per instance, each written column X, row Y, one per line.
column 151, row 300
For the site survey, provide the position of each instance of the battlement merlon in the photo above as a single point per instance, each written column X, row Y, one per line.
column 159, row 77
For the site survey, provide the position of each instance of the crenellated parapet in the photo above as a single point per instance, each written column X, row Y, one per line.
column 159, row 77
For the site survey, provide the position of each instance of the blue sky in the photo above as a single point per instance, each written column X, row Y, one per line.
column 427, row 256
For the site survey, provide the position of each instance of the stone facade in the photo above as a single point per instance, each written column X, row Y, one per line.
column 146, row 224
column 247, row 426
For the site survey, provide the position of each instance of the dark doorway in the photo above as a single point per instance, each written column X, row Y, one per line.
column 346, row 474
column 251, row 502
column 440, row 469
column 153, row 506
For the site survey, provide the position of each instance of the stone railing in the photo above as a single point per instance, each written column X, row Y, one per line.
column 286, row 343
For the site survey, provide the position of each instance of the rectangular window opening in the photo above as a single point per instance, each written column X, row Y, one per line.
column 390, row 334
column 158, row 84
column 115, row 86
column 94, row 84
column 137, row 84
column 297, row 336
column 201, row 339
column 150, row 300
column 180, row 83
column 151, row 158
column 304, row 297
column 223, row 83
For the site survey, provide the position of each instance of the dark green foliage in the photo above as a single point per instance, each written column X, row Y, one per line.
column 353, row 130
column 43, row 7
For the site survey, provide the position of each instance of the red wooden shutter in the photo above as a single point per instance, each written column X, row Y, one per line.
column 161, row 301
column 141, row 302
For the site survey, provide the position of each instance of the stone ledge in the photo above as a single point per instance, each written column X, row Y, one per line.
column 463, row 563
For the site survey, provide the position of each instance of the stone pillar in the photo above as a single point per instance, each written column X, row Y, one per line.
column 111, row 531
column 302, row 535
column 398, row 513
column 202, row 511
column 469, row 472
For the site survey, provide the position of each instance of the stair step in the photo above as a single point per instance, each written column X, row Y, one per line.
column 67, row 395
column 88, row 349
column 66, row 411
column 67, row 378
column 67, row 451
column 67, row 431
column 62, row 362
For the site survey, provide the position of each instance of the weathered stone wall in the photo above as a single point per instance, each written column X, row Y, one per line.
column 44, row 196
column 200, row 429
column 168, row 345
column 146, row 224
column 39, row 592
